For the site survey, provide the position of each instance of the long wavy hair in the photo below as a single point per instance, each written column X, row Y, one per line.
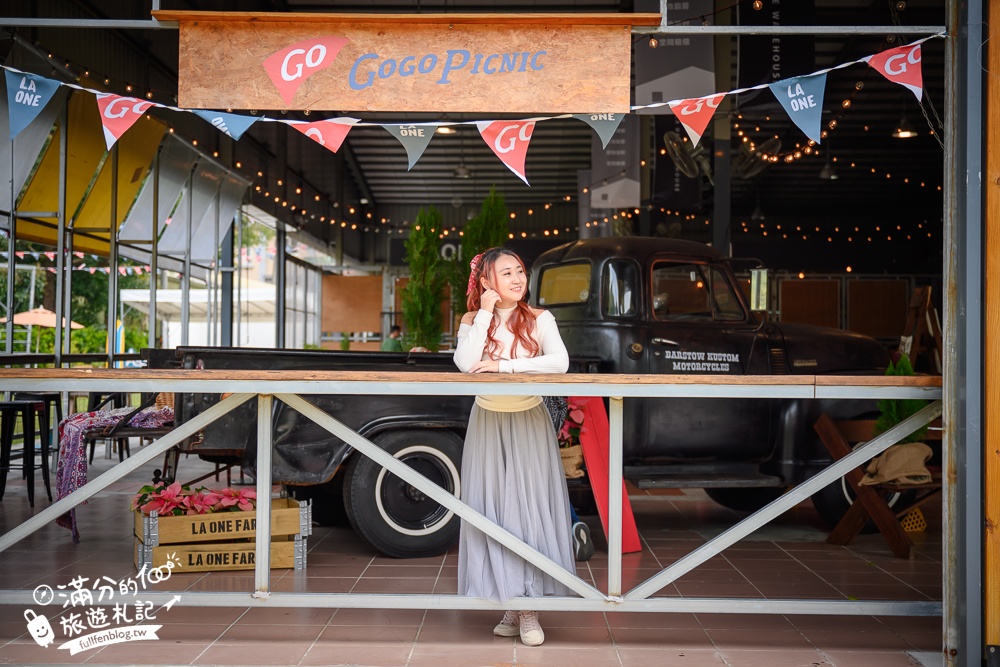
column 521, row 322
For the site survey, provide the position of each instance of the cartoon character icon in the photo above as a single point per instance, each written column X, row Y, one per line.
column 39, row 628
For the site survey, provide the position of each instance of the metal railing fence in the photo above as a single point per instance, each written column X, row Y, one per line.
column 287, row 385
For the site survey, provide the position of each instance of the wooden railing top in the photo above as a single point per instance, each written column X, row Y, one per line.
column 142, row 374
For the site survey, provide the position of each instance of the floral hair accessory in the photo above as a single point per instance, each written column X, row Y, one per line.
column 474, row 265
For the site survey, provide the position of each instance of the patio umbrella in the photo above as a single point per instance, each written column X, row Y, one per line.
column 39, row 317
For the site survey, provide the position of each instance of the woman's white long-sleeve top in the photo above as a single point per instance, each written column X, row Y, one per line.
column 552, row 356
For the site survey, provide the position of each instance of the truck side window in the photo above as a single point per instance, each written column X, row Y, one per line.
column 693, row 292
column 564, row 285
column 726, row 304
column 621, row 288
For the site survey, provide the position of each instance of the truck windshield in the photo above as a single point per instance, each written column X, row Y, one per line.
column 693, row 292
column 564, row 285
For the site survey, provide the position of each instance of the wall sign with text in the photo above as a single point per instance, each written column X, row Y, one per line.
column 404, row 67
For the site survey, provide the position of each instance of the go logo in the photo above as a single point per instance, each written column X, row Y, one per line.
column 291, row 66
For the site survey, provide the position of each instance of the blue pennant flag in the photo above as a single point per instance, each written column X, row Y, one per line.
column 802, row 98
column 27, row 95
column 414, row 139
column 231, row 124
column 604, row 124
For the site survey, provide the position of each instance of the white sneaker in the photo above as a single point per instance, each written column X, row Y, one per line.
column 508, row 627
column 531, row 631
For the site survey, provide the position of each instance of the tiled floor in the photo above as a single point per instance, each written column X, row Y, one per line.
column 787, row 559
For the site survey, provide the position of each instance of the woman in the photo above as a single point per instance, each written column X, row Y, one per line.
column 511, row 472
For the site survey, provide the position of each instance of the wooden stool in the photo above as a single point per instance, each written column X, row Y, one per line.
column 870, row 502
column 28, row 411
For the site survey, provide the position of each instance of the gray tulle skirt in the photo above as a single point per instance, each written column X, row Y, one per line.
column 512, row 475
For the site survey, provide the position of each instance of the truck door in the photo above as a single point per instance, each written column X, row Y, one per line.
column 698, row 325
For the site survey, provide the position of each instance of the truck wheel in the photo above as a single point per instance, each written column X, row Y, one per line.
column 395, row 517
column 832, row 501
column 745, row 499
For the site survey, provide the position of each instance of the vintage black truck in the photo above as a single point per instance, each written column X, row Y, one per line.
column 624, row 305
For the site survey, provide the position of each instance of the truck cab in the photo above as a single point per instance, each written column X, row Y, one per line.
column 661, row 306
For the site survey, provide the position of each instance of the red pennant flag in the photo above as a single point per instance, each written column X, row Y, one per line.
column 92, row 270
column 118, row 114
column 291, row 66
column 50, row 256
column 901, row 65
column 329, row 133
column 509, row 141
column 694, row 114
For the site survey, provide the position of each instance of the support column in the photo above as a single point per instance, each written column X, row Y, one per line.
column 963, row 455
column 991, row 345
column 154, row 250
column 61, row 285
column 226, row 295
column 279, row 286
column 11, row 260
column 186, row 275
column 722, row 206
column 113, row 263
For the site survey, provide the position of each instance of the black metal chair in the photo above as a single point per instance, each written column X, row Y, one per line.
column 29, row 411
column 120, row 432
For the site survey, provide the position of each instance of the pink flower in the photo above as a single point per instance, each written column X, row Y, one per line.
column 196, row 503
column 576, row 415
column 164, row 500
column 242, row 498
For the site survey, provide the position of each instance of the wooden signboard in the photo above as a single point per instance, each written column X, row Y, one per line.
column 573, row 63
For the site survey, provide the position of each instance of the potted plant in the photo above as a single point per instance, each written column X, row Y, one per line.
column 569, row 441
column 894, row 410
column 424, row 292
column 903, row 463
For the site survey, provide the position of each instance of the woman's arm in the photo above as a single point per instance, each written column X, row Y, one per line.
column 552, row 355
column 471, row 339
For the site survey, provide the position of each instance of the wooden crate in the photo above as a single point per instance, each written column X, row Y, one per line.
column 286, row 552
column 288, row 517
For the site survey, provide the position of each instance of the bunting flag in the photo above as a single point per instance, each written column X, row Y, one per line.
column 291, row 66
column 900, row 65
column 328, row 133
column 27, row 95
column 231, row 124
column 694, row 114
column 604, row 124
column 414, row 139
column 509, row 141
column 118, row 114
column 802, row 99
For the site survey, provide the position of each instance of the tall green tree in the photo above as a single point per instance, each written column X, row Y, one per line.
column 424, row 292
column 487, row 230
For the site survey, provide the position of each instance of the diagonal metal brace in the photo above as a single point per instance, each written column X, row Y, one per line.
column 787, row 501
column 435, row 492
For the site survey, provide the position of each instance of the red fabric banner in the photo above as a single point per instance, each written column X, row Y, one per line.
column 509, row 141
column 328, row 133
column 118, row 114
column 901, row 65
column 694, row 113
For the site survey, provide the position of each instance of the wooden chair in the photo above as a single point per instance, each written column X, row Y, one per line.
column 870, row 502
